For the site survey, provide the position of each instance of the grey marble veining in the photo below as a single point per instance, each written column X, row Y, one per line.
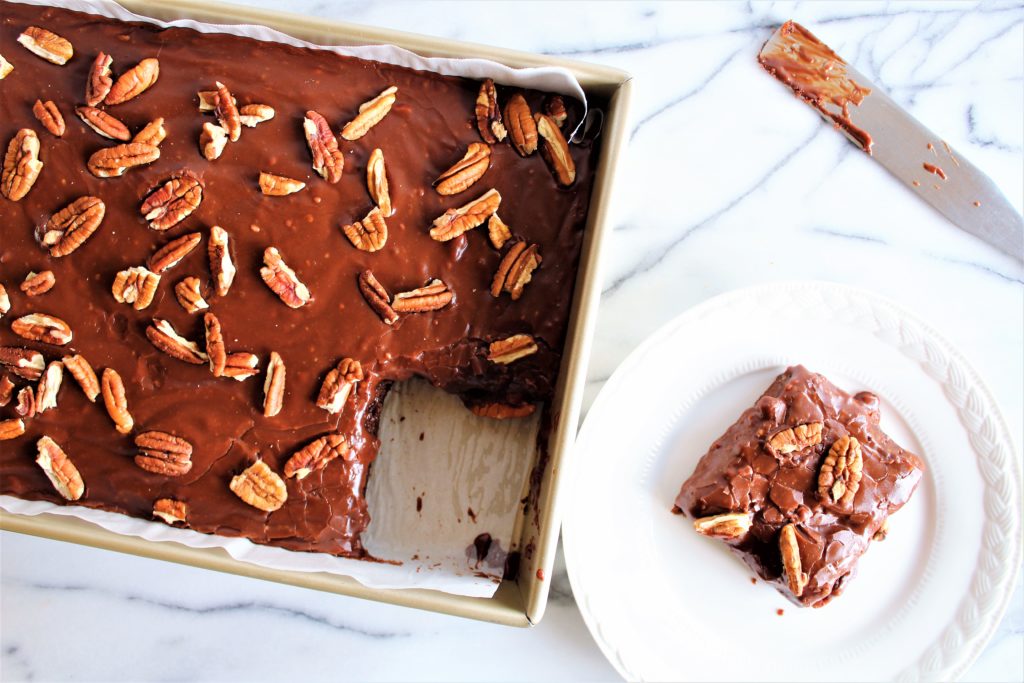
column 728, row 182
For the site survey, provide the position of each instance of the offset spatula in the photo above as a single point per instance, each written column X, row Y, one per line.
column 894, row 138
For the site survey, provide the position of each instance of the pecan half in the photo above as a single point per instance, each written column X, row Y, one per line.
column 522, row 129
column 11, row 429
column 316, row 454
column 47, row 44
column 260, row 487
column 227, row 112
column 136, row 286
column 279, row 185
column 171, row 254
column 173, row 202
column 251, row 115
column 162, row 335
column 455, row 222
column 36, row 284
column 111, row 162
column 189, row 294
column 432, row 297
column 466, row 171
column 728, row 526
column 215, row 344
column 100, row 82
column 370, row 114
column 49, row 116
column 208, row 100
column 841, row 471
column 488, row 114
column 83, row 373
column 378, row 297
column 338, row 385
column 112, row 388
column 221, row 266
column 556, row 150
column 516, row 270
column 26, row 407
column 5, row 301
column 328, row 160
column 212, row 141
column 6, row 390
column 377, row 182
column 554, row 107
column 21, row 165
column 505, row 351
column 134, row 81
column 282, row 280
column 791, row 565
column 273, row 386
column 796, row 438
column 241, row 365
column 69, row 228
column 502, row 411
column 171, row 511
column 59, row 469
column 40, row 327
column 5, row 68
column 24, row 363
column 49, row 385
column 103, row 123
column 153, row 133
column 163, row 453
column 369, row 234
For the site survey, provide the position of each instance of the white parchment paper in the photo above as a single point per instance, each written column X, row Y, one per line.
column 443, row 476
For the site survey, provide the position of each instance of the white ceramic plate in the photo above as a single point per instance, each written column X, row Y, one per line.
column 666, row 604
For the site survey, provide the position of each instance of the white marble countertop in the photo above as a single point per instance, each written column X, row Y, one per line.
column 729, row 182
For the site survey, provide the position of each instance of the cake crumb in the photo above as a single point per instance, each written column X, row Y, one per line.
column 540, row 574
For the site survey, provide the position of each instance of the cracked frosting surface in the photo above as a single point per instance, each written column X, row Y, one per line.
column 428, row 129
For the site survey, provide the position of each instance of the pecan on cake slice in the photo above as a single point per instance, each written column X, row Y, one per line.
column 377, row 182
column 115, row 401
column 370, row 114
column 164, row 337
column 49, row 386
column 260, row 487
column 173, row 201
column 134, row 82
column 515, row 270
column 555, row 150
column 47, row 44
column 465, row 172
column 59, row 469
column 455, row 222
column 510, row 349
column 171, row 254
column 227, row 112
column 83, row 373
column 282, row 280
column 50, row 117
column 103, row 123
column 171, row 511
column 189, row 294
column 100, row 82
column 279, row 185
column 111, row 162
column 11, row 429
column 273, row 386
column 69, row 228
column 5, row 68
column 315, row 455
column 212, row 141
column 25, row 363
column 37, row 284
column 328, row 160
column 434, row 296
column 222, row 267
column 369, row 234
column 43, row 328
column 136, row 286
column 251, row 115
column 488, row 113
column 338, row 385
column 163, row 453
column 377, row 297
column 21, row 165
column 522, row 128
column 153, row 133
column 497, row 231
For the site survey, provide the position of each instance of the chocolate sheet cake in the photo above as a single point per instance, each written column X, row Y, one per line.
column 801, row 484
column 217, row 254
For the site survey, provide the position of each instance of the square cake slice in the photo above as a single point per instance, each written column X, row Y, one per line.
column 801, row 484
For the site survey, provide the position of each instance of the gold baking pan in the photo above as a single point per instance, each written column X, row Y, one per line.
column 516, row 603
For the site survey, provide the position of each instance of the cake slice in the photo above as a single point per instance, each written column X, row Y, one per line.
column 801, row 484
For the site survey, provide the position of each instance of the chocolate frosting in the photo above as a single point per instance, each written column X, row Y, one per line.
column 739, row 474
column 427, row 130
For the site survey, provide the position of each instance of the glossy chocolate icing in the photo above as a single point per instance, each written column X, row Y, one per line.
column 816, row 75
column 740, row 474
column 427, row 130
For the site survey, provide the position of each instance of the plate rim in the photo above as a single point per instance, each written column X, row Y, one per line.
column 958, row 645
